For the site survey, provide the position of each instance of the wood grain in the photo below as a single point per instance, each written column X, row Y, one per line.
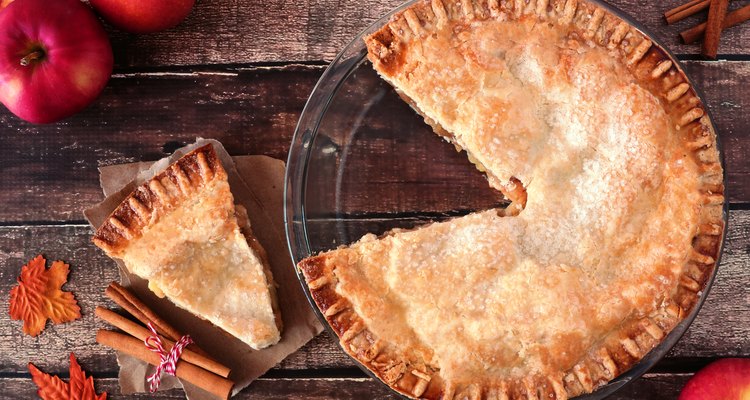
column 249, row 31
column 49, row 173
column 649, row 387
column 91, row 271
column 240, row 71
column 721, row 328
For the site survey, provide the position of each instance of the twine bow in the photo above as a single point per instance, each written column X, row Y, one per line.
column 169, row 359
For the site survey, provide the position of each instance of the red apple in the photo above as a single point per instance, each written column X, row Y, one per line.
column 4, row 3
column 727, row 379
column 143, row 16
column 55, row 58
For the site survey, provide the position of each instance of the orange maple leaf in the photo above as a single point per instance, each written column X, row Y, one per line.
column 38, row 296
column 54, row 388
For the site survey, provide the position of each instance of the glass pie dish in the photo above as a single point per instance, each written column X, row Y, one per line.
column 362, row 161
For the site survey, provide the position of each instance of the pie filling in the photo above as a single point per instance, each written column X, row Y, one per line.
column 613, row 229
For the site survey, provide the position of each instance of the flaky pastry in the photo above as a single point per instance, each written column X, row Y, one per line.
column 616, row 220
column 182, row 232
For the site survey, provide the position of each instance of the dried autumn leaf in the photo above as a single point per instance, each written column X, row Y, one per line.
column 54, row 388
column 50, row 387
column 82, row 388
column 38, row 296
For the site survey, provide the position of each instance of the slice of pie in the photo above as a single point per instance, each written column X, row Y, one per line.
column 610, row 162
column 182, row 232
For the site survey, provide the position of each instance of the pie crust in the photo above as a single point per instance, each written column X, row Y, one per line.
column 182, row 232
column 616, row 221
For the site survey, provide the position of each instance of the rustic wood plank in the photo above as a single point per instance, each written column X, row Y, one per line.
column 91, row 271
column 49, row 173
column 292, row 388
column 649, row 387
column 249, row 31
column 721, row 328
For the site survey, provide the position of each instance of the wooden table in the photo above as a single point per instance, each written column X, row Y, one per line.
column 240, row 71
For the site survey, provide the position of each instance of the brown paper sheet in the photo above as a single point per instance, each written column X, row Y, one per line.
column 257, row 184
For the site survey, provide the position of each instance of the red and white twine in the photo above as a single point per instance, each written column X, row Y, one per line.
column 169, row 359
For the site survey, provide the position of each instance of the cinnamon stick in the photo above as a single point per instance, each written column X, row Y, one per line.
column 716, row 15
column 682, row 7
column 140, row 311
column 133, row 305
column 735, row 17
column 141, row 333
column 121, row 301
column 205, row 380
column 686, row 10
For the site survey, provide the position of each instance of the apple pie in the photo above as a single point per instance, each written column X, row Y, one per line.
column 616, row 218
column 182, row 232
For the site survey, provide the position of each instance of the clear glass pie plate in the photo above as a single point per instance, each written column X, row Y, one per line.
column 362, row 161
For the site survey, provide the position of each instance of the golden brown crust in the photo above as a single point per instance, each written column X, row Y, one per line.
column 153, row 199
column 409, row 377
column 629, row 343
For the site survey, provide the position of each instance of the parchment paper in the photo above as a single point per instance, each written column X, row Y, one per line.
column 257, row 184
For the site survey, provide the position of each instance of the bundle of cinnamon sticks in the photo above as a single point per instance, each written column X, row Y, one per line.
column 194, row 366
column 718, row 20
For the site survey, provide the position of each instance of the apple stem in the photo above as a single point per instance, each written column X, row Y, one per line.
column 31, row 57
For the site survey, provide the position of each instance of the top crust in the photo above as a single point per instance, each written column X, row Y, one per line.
column 153, row 199
column 594, row 27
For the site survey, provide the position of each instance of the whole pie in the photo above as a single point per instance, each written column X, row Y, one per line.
column 615, row 222
column 182, row 232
